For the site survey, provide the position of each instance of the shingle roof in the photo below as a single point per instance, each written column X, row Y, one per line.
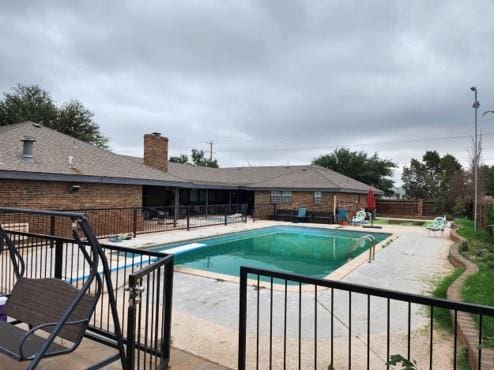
column 302, row 177
column 53, row 149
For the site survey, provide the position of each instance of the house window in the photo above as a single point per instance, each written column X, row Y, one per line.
column 317, row 197
column 281, row 197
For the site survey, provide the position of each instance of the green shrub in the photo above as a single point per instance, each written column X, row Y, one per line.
column 463, row 246
column 490, row 215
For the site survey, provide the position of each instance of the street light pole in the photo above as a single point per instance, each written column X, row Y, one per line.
column 475, row 106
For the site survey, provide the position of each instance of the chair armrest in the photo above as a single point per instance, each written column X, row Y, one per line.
column 43, row 326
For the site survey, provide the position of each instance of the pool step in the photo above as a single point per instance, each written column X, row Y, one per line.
column 185, row 248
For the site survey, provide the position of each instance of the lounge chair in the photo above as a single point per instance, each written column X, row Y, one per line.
column 359, row 218
column 437, row 225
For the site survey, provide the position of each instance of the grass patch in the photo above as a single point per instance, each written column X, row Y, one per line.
column 441, row 315
column 478, row 289
column 467, row 231
column 462, row 359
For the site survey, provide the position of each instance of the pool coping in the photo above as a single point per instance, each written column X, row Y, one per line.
column 337, row 274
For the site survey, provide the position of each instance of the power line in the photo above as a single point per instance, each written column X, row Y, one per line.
column 350, row 145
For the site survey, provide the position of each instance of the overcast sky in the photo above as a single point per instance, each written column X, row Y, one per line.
column 269, row 82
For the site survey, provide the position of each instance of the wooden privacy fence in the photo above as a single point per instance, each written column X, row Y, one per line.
column 483, row 212
column 406, row 208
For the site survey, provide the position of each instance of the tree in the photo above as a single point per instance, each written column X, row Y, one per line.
column 359, row 166
column 27, row 103
column 436, row 178
column 31, row 103
column 76, row 121
column 487, row 174
column 182, row 158
column 199, row 159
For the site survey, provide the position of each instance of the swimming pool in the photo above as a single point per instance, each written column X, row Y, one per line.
column 301, row 250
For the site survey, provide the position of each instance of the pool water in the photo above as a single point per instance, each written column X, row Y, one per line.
column 315, row 252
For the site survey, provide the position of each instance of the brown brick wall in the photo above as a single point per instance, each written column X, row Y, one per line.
column 57, row 195
column 156, row 151
column 352, row 202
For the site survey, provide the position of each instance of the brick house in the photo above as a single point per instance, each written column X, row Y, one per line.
column 42, row 168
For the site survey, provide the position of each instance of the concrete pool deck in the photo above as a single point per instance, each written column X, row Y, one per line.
column 205, row 312
column 158, row 239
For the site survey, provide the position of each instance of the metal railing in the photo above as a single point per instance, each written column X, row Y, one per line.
column 144, row 220
column 141, row 281
column 133, row 221
column 293, row 321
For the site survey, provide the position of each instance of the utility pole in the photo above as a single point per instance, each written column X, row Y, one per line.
column 475, row 106
column 210, row 149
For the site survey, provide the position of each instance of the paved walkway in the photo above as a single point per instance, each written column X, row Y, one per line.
column 90, row 352
column 205, row 318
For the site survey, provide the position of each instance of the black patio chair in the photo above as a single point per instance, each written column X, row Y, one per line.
column 51, row 308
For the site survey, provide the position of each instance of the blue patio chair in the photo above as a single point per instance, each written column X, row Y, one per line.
column 302, row 214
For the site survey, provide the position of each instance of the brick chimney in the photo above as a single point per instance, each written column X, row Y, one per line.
column 156, row 151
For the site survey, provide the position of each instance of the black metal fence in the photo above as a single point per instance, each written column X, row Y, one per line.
column 290, row 321
column 132, row 221
column 114, row 221
column 142, row 283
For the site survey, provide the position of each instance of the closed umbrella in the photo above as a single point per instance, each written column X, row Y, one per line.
column 371, row 204
column 371, row 200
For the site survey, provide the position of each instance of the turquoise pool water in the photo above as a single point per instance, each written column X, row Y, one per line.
column 292, row 249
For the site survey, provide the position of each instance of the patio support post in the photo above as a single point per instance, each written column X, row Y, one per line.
column 334, row 207
column 207, row 202
column 176, row 206
column 225, row 209
column 188, row 217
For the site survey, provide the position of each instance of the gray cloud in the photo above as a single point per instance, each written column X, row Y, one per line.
column 270, row 82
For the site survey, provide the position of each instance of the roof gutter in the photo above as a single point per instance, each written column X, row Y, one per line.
column 331, row 190
column 41, row 176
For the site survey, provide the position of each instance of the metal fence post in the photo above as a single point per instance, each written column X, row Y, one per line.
column 188, row 218
column 131, row 324
column 52, row 229
column 242, row 325
column 58, row 259
column 226, row 216
column 165, row 349
column 134, row 221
